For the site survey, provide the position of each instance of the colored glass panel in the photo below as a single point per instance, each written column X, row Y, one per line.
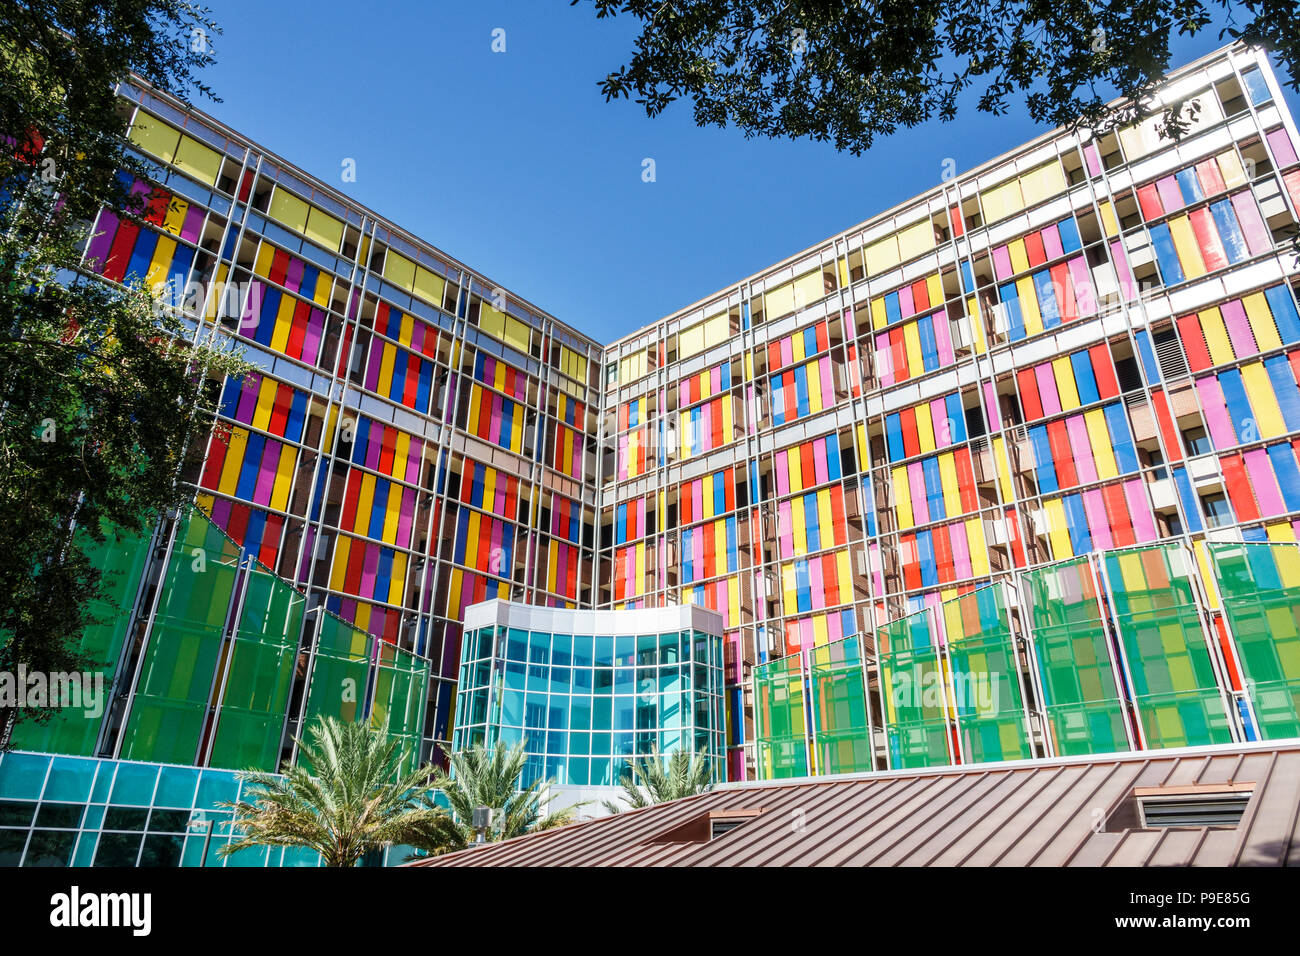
column 1174, row 684
column 1074, row 659
column 1259, row 585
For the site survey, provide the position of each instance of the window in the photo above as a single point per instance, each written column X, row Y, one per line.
column 1197, row 441
column 1217, row 512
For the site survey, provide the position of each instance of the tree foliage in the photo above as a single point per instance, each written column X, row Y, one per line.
column 103, row 390
column 847, row 72
column 490, row 778
column 347, row 799
column 654, row 780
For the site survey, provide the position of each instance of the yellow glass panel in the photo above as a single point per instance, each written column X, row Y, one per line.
column 925, row 429
column 915, row 240
column 1029, row 306
column 162, row 258
column 1057, row 530
column 175, row 218
column 1043, row 183
column 881, row 255
column 878, row 315
column 1216, row 336
column 1268, row 416
column 154, row 136
column 399, row 270
column 1001, row 201
column 912, row 344
column 288, row 209
column 951, row 487
column 690, row 341
column 200, row 161
column 1261, row 321
column 265, row 255
column 902, row 498
column 324, row 230
column 1189, row 252
column 808, row 288
column 779, row 301
column 1065, row 386
column 1019, row 257
column 429, row 286
column 1102, row 450
column 1230, row 168
column 1108, row 222
column 518, row 334
column 934, row 286
column 979, row 552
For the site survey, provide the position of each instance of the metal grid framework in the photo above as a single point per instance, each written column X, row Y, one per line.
column 1107, row 653
column 71, row 811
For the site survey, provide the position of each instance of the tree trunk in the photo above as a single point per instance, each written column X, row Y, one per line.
column 8, row 720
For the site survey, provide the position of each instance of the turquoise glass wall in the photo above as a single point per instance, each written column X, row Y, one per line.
column 585, row 705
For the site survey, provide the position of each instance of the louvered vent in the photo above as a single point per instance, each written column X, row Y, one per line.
column 1170, row 357
column 1219, row 810
column 1197, row 805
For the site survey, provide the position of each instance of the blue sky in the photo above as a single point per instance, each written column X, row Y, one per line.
column 514, row 163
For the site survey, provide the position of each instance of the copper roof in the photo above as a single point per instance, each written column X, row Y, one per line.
column 1060, row 812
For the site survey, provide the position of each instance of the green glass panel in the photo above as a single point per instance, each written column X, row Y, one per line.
column 121, row 560
column 779, row 722
column 176, row 679
column 1174, row 686
column 1259, row 585
column 401, row 683
column 986, row 676
column 257, row 683
column 912, row 687
column 1084, row 712
column 340, row 673
column 842, row 743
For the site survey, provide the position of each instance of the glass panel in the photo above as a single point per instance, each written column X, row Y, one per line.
column 401, row 683
column 1174, row 686
column 1259, row 584
column 1084, row 712
column 779, row 724
column 22, row 775
column 912, row 686
column 262, row 658
column 840, row 708
column 71, row 779
column 120, row 560
column 171, row 701
column 986, row 676
column 339, row 672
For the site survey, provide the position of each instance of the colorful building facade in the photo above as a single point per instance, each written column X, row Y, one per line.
column 1088, row 345
column 1009, row 430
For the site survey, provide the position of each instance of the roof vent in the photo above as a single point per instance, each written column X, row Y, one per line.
column 720, row 825
column 1199, row 805
column 707, row 826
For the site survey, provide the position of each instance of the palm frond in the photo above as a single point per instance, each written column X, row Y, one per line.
column 347, row 798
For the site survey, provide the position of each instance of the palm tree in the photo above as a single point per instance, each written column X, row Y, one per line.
column 652, row 780
column 357, row 800
column 489, row 778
